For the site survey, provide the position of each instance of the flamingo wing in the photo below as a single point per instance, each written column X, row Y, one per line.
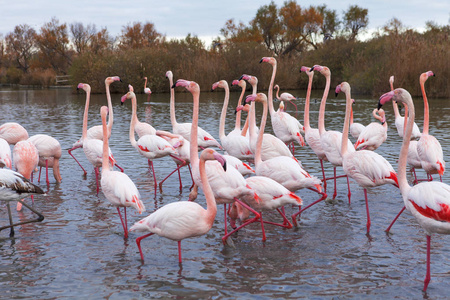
column 120, row 190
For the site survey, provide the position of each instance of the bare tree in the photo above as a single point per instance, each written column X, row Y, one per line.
column 20, row 45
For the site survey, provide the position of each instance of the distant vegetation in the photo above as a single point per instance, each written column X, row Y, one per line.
column 293, row 34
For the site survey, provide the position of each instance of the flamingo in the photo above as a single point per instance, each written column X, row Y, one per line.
column 184, row 129
column 374, row 134
column 117, row 186
column 288, row 97
column 184, row 219
column 95, row 132
column 147, row 90
column 331, row 140
column 13, row 133
column 253, row 80
column 367, row 168
column 241, row 166
column 5, row 154
column 283, row 170
column 26, row 159
column 355, row 128
column 234, row 144
column 272, row 146
column 237, row 127
column 141, row 128
column 150, row 146
column 428, row 147
column 49, row 150
column 14, row 187
column 312, row 135
column 428, row 202
column 183, row 154
column 285, row 127
column 228, row 186
column 400, row 121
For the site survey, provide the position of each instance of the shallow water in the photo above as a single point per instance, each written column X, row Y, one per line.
column 78, row 251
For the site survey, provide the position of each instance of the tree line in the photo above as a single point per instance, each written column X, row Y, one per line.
column 295, row 35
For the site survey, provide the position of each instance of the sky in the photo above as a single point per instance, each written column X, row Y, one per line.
column 178, row 18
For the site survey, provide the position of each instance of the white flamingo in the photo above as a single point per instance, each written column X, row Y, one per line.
column 373, row 134
column 49, row 150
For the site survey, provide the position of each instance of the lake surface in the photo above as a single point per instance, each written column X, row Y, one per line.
column 79, row 251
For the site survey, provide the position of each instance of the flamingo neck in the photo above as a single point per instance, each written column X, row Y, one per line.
column 348, row 108
column 322, row 105
column 426, row 113
column 211, row 207
column 401, row 173
column 259, row 141
column 224, row 114
column 145, row 84
column 351, row 115
column 85, row 116
column 105, row 156
column 405, row 119
column 246, row 125
column 278, row 90
column 307, row 100
column 110, row 109
column 194, row 130
column 133, row 122
column 237, row 125
column 270, row 92
column 173, row 119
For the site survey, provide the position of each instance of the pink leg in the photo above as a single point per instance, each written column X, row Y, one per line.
column 70, row 153
column 262, row 228
column 46, row 172
column 150, row 163
column 415, row 176
column 395, row 219
column 190, row 172
column 257, row 216
column 428, row 276
column 138, row 243
column 225, row 221
column 294, row 216
column 286, row 223
column 120, row 168
column 176, row 169
column 39, row 178
column 349, row 192
column 335, row 190
column 124, row 223
column 96, row 179
column 324, row 180
column 179, row 252
column 367, row 211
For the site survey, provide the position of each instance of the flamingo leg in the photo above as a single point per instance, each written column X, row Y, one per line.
column 324, row 180
column 264, row 238
column 225, row 213
column 11, row 232
column 427, row 276
column 294, row 216
column 120, row 168
column 96, row 178
column 335, row 190
column 179, row 252
column 70, row 153
column 190, row 172
column 40, row 217
column 176, row 169
column 395, row 219
column 124, row 223
column 138, row 243
column 257, row 216
column 286, row 223
column 39, row 178
column 415, row 176
column 46, row 172
column 349, row 192
column 150, row 164
column 367, row 211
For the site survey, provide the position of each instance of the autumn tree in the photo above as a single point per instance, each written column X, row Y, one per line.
column 239, row 33
column 356, row 19
column 53, row 43
column 139, row 35
column 87, row 38
column 330, row 25
column 20, row 46
column 268, row 24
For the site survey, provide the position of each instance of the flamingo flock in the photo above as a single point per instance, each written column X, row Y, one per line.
column 274, row 182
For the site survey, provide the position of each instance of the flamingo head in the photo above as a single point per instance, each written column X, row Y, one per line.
column 128, row 95
column 169, row 74
column 325, row 71
column 211, row 154
column 353, row 100
column 260, row 97
column 270, row 60
column 245, row 108
column 396, row 95
column 191, row 86
column 391, row 79
column 251, row 79
column 424, row 76
column 235, row 82
column 86, row 87
column 112, row 79
column 104, row 111
column 221, row 84
column 130, row 88
column 307, row 70
column 343, row 87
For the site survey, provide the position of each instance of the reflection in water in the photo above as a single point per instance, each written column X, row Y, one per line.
column 78, row 251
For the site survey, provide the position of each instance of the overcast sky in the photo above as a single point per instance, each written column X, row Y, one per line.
column 177, row 18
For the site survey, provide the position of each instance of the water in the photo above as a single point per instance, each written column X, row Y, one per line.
column 78, row 251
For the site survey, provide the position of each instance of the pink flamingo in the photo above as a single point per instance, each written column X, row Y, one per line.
column 234, row 143
column 331, row 140
column 241, row 166
column 374, row 134
column 228, row 186
column 95, row 132
column 26, row 159
column 147, row 90
column 367, row 168
column 428, row 147
column 117, row 186
column 13, row 133
column 288, row 97
column 183, row 157
column 141, row 128
column 428, row 202
column 184, row 129
column 150, row 146
column 14, row 187
column 254, row 83
column 5, row 154
column 49, row 150
column 241, row 83
column 184, row 219
column 285, row 127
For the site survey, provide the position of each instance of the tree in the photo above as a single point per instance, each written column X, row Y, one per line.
column 239, row 33
column 393, row 27
column 53, row 41
column 89, row 39
column 356, row 19
column 139, row 35
column 330, row 24
column 268, row 24
column 20, row 45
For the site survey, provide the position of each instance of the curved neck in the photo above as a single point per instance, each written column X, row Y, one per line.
column 307, row 100
column 85, row 116
column 145, row 84
column 426, row 113
column 105, row 156
column 133, row 122
column 348, row 107
column 237, row 125
column 278, row 91
column 173, row 120
column 224, row 113
column 396, row 112
column 211, row 207
column 246, row 125
column 270, row 92
column 110, row 109
column 322, row 105
column 259, row 141
column 194, row 131
column 351, row 115
column 401, row 173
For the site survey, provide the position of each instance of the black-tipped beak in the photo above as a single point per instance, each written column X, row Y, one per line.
column 336, row 94
column 224, row 166
column 212, row 90
column 379, row 105
column 120, row 80
column 261, row 60
column 382, row 123
column 240, row 78
column 434, row 75
column 121, row 103
column 174, row 85
column 312, row 69
column 235, row 111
